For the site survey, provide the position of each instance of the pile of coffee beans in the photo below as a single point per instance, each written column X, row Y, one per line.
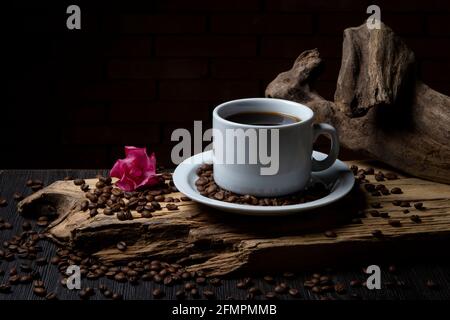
column 109, row 200
column 207, row 187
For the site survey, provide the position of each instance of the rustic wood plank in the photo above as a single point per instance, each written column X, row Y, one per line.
column 222, row 243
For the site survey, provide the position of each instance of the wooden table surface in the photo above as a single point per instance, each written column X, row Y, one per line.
column 411, row 275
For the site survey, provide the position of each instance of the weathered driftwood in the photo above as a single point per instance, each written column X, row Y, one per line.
column 381, row 109
column 221, row 243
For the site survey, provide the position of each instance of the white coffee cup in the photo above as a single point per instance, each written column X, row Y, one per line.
column 295, row 141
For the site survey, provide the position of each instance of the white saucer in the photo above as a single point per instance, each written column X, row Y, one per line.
column 338, row 178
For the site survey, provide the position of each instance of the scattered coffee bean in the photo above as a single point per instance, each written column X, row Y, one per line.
column 281, row 288
column 209, row 294
column 3, row 202
column 271, row 295
column 376, row 205
column 171, row 206
column 394, row 222
column 390, row 176
column 374, row 213
column 377, row 233
column 405, row 211
column 184, row 198
column 339, row 288
column 432, row 285
column 405, row 204
column 330, row 234
column 396, row 190
column 384, row 214
column 51, row 296
column 78, row 182
column 117, row 296
column 17, row 196
column 396, row 203
column 84, row 187
column 180, row 294
column 40, row 291
column 294, row 292
column 194, row 293
column 355, row 283
column 5, row 288
column 418, row 205
column 157, row 293
column 269, row 279
column 392, row 269
column 415, row 218
column 215, row 282
column 122, row 246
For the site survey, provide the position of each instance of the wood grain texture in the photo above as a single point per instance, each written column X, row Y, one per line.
column 414, row 273
column 381, row 108
column 221, row 243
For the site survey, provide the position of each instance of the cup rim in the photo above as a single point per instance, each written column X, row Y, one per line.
column 225, row 104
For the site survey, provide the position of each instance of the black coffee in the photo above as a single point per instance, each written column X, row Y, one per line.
column 262, row 118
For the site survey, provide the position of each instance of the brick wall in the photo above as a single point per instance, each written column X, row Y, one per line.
column 136, row 71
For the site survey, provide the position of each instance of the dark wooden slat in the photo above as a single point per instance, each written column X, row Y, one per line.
column 414, row 275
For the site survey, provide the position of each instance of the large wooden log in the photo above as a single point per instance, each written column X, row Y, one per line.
column 381, row 108
column 221, row 243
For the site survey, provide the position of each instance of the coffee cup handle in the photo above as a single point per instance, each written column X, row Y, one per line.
column 324, row 128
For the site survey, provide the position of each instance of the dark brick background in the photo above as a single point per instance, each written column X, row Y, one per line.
column 138, row 70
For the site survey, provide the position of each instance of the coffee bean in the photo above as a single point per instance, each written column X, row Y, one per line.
column 392, row 269
column 156, row 205
column 157, row 293
column 405, row 204
column 330, row 234
column 25, row 279
column 122, row 246
column 405, row 211
column 171, row 206
column 93, row 213
column 215, row 282
column 376, row 205
column 146, row 214
column 38, row 283
column 51, row 296
column 180, row 294
column 377, row 233
column 374, row 213
column 254, row 291
column 294, row 292
column 339, row 288
column 415, row 218
column 316, row 289
column 40, row 291
column 120, row 277
column 194, row 293
column 84, row 295
column 396, row 190
column 396, row 203
column 36, row 187
column 355, row 283
column 418, row 205
column 379, row 176
column 432, row 285
column 281, row 288
column 270, row 295
column 117, row 296
column 384, row 214
column 26, row 267
column 200, row 280
column 17, row 196
column 3, row 202
column 78, row 182
column 184, row 198
column 208, row 294
column 390, row 176
column 5, row 288
column 42, row 221
column 394, row 222
column 269, row 279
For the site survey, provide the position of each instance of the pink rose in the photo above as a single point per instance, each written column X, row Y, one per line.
column 136, row 170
